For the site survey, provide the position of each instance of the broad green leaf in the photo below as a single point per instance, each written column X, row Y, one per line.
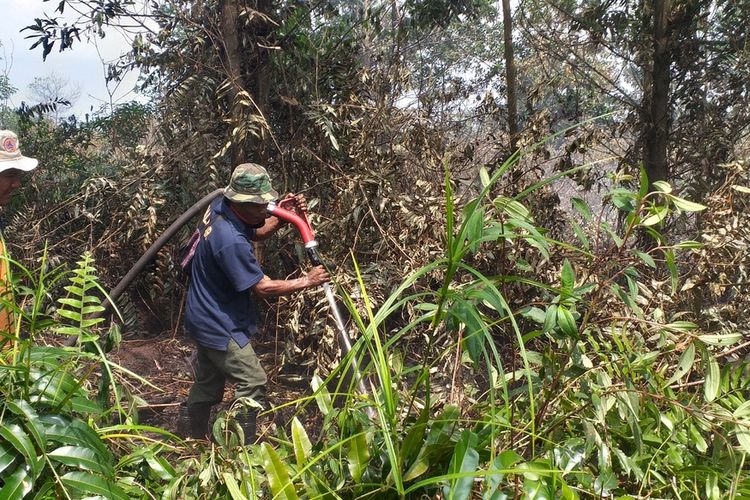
column 658, row 215
column 681, row 326
column 513, row 208
column 687, row 206
column 17, row 485
column 582, row 208
column 440, row 433
column 489, row 296
column 278, row 475
column 57, row 386
column 646, row 258
column 68, row 435
column 67, row 330
column 722, row 339
column 643, row 184
column 63, row 434
column 232, row 486
column 88, row 323
column 92, row 309
column 34, row 426
column 568, row 493
column 581, row 235
column 566, row 322
column 713, row 379
column 632, row 285
column 535, row 314
column 160, row 466
column 84, row 405
column 78, row 292
column 684, row 366
column 82, row 458
column 663, row 186
column 301, row 442
column 605, row 483
column 18, row 439
column 473, row 229
column 466, row 313
column 484, row 176
column 567, row 277
column 465, row 459
column 91, row 483
column 742, row 411
column 550, row 319
column 697, row 439
column 572, row 453
column 645, row 359
column 413, row 441
column 358, row 455
column 322, row 396
column 712, row 487
column 504, row 461
column 623, row 199
column 75, row 432
column 689, row 244
column 673, row 275
column 7, row 457
column 743, row 438
column 75, row 303
column 71, row 315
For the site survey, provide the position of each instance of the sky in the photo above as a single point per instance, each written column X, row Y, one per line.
column 82, row 65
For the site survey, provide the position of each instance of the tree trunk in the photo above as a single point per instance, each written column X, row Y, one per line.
column 230, row 13
column 510, row 76
column 262, row 29
column 656, row 108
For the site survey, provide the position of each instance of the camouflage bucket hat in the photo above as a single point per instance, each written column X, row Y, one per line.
column 250, row 183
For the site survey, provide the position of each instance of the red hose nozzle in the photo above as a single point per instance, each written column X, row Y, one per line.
column 300, row 223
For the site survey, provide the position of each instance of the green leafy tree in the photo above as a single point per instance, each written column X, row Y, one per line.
column 657, row 59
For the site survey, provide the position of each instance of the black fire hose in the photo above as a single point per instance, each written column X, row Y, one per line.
column 147, row 257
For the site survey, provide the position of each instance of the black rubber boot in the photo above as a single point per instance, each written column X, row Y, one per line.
column 248, row 424
column 199, row 415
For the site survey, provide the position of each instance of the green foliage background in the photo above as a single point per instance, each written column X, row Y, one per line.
column 533, row 324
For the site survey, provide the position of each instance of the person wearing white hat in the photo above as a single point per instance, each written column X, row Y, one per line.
column 12, row 165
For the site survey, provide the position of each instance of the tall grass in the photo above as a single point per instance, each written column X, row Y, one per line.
column 602, row 404
column 585, row 382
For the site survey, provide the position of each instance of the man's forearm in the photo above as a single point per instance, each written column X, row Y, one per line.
column 272, row 288
column 271, row 225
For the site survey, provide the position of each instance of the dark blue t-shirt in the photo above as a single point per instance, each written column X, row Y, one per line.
column 219, row 304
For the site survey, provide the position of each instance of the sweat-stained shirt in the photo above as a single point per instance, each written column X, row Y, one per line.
column 219, row 303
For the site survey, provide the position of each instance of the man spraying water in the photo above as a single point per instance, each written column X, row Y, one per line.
column 225, row 283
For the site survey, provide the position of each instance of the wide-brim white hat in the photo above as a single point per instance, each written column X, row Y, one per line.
column 10, row 154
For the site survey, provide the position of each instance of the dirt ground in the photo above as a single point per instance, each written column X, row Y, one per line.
column 165, row 362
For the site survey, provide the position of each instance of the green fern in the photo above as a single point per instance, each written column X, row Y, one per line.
column 80, row 304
